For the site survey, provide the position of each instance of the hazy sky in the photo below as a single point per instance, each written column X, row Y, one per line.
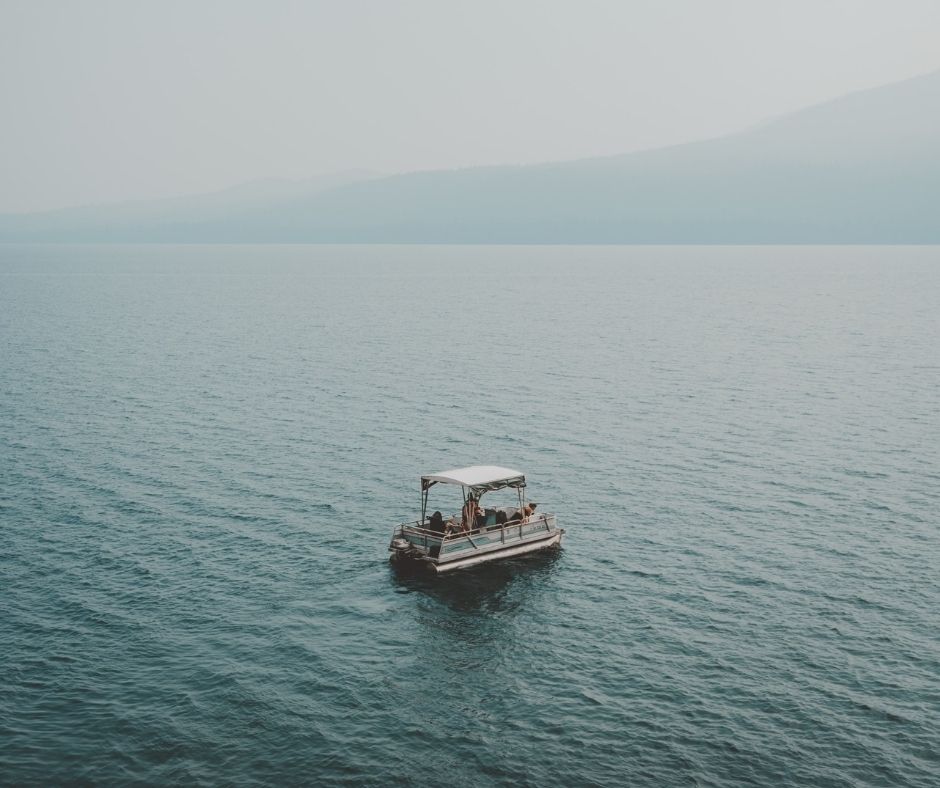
column 127, row 99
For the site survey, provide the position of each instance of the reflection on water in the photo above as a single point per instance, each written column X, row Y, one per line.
column 465, row 619
column 479, row 589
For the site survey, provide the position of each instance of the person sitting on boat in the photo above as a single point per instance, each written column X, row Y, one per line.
column 436, row 523
column 468, row 514
column 523, row 514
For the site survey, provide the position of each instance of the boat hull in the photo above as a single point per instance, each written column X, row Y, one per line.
column 551, row 540
column 443, row 553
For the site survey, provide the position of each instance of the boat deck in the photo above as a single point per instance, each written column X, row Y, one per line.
column 465, row 548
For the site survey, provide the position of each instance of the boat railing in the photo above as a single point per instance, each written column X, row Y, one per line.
column 417, row 528
column 517, row 525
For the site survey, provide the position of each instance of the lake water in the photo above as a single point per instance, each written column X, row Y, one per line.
column 204, row 450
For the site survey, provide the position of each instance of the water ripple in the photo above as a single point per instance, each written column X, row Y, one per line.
column 203, row 449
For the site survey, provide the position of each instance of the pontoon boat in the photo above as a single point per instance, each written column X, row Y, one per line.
column 477, row 534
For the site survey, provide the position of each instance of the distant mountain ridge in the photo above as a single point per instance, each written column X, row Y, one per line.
column 864, row 168
column 148, row 218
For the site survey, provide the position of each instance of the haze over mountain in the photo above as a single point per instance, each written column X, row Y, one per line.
column 147, row 219
column 864, row 168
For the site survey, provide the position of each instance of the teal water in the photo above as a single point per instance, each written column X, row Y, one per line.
column 203, row 451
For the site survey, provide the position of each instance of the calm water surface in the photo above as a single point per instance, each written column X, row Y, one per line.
column 203, row 451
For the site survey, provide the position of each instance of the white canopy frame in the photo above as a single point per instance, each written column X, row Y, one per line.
column 474, row 480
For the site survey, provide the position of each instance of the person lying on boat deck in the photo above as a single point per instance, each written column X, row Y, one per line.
column 523, row 514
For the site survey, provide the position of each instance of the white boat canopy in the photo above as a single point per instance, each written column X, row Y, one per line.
column 478, row 478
